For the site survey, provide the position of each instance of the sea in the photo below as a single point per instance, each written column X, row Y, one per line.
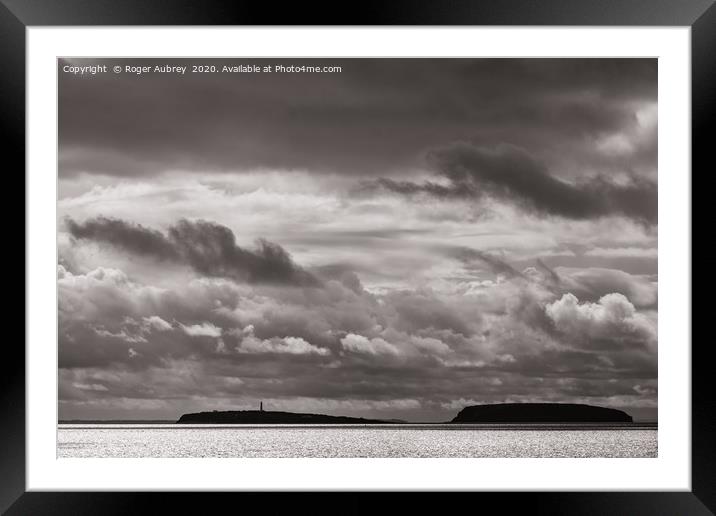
column 357, row 441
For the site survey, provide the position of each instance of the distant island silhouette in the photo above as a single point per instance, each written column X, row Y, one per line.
column 496, row 413
column 232, row 417
column 540, row 413
column 116, row 421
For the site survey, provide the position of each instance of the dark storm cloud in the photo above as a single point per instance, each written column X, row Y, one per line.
column 511, row 174
column 376, row 115
column 134, row 238
column 409, row 188
column 207, row 247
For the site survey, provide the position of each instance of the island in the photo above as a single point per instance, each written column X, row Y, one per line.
column 500, row 413
column 540, row 413
column 257, row 417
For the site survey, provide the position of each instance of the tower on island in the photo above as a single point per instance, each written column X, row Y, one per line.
column 261, row 406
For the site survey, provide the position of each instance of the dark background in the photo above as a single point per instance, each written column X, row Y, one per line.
column 15, row 15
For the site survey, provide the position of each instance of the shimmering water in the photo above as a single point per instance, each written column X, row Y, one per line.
column 375, row 441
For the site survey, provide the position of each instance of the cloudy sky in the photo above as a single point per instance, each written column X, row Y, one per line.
column 398, row 239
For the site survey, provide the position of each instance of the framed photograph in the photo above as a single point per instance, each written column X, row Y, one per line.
column 429, row 248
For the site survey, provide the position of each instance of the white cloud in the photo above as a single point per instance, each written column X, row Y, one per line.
column 431, row 345
column 202, row 330
column 123, row 335
column 288, row 345
column 463, row 363
column 361, row 344
column 613, row 320
column 90, row 386
column 95, row 295
column 642, row 291
column 156, row 323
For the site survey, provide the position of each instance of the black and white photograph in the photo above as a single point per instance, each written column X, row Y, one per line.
column 357, row 257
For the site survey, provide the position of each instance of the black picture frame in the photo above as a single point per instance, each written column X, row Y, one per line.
column 17, row 15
